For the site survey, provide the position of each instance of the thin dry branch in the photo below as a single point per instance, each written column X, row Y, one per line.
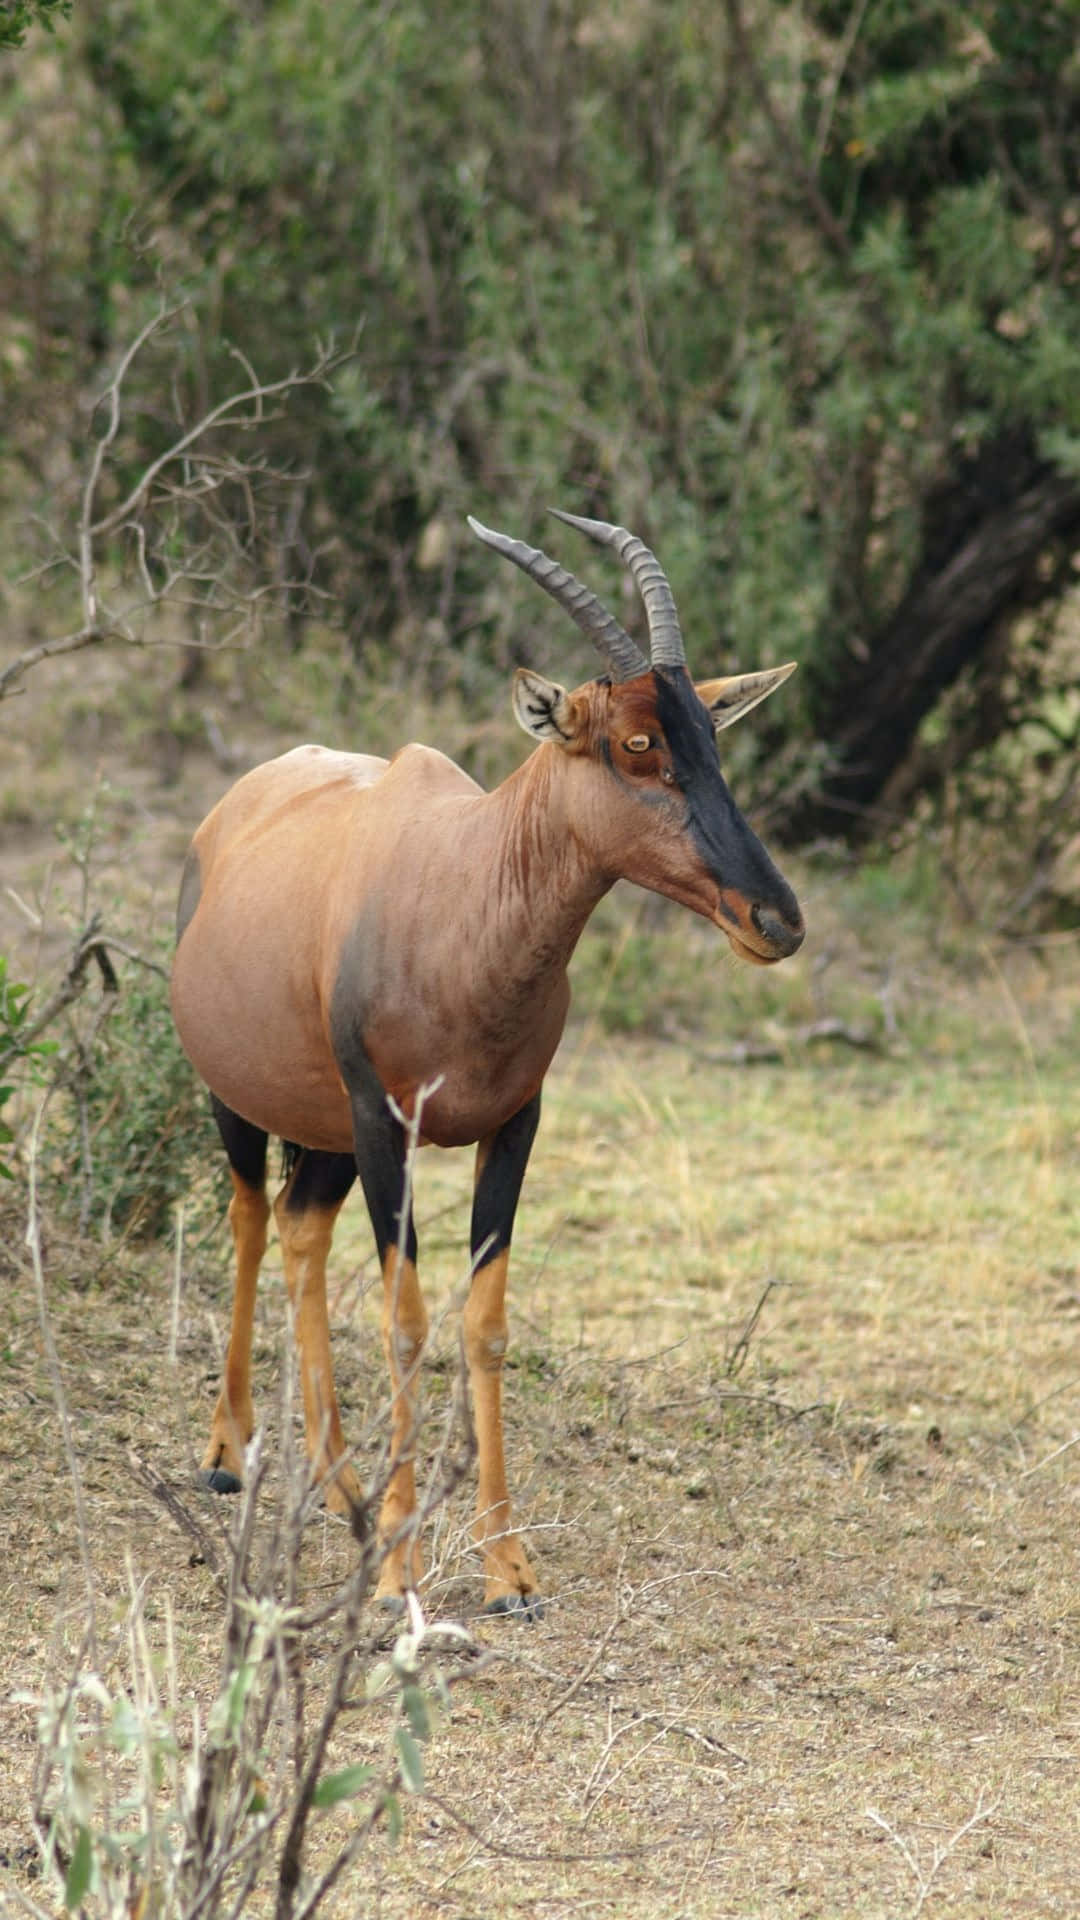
column 585, row 1674
column 51, row 649
column 33, row 1242
column 110, row 399
column 179, row 499
column 91, row 945
column 832, row 85
column 229, row 412
column 180, row 1513
column 561, row 1856
column 924, row 1878
column 803, row 177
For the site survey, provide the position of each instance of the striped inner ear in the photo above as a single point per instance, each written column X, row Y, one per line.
column 543, row 708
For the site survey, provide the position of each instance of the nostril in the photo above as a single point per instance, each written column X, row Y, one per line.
column 783, row 934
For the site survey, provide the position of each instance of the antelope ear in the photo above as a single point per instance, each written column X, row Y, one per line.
column 729, row 699
column 544, row 709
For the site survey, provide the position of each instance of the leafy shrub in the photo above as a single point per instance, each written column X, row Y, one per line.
column 17, row 1044
column 144, row 1118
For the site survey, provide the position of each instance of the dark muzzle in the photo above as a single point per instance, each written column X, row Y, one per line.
column 783, row 932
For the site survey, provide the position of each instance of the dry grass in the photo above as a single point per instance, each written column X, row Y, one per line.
column 834, row 1589
column 811, row 1639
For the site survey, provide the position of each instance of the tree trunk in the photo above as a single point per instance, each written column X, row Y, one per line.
column 984, row 538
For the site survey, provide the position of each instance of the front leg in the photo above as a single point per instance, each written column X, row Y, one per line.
column 501, row 1159
column 380, row 1159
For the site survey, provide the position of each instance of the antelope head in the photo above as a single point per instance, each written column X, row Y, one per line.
column 661, row 814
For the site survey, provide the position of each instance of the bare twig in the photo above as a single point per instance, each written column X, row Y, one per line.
column 180, row 491
column 180, row 1513
column 1055, row 1455
column 802, row 176
column 33, row 1242
column 743, row 1053
column 582, row 1678
column 91, row 945
column 111, row 400
column 832, row 85
column 564, row 1856
column 924, row 1880
column 739, row 1351
column 228, row 413
column 51, row 649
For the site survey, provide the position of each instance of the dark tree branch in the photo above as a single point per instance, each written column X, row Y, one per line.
column 869, row 715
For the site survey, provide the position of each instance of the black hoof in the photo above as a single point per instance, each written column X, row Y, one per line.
column 220, row 1480
column 523, row 1606
column 392, row 1604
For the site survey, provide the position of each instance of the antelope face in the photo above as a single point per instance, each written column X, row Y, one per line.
column 656, row 807
column 668, row 822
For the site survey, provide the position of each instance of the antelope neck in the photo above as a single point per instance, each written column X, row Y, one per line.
column 543, row 878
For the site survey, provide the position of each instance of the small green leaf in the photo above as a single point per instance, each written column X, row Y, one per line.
column 345, row 1785
column 391, row 1806
column 240, row 1684
column 80, row 1867
column 411, row 1759
column 125, row 1731
column 417, row 1712
column 382, row 1673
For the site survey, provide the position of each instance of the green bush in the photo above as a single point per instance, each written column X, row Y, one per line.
column 15, row 1048
column 144, row 1119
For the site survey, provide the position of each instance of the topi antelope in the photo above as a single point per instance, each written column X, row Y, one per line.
column 352, row 929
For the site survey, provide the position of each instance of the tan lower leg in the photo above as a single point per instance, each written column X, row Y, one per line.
column 404, row 1328
column 234, row 1416
column 506, row 1566
column 305, row 1243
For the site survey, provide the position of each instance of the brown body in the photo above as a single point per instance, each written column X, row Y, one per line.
column 353, row 928
column 325, row 872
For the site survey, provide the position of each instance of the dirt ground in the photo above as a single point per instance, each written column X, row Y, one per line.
column 811, row 1634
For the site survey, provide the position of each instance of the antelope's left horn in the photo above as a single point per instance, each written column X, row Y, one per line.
column 622, row 654
column 665, row 635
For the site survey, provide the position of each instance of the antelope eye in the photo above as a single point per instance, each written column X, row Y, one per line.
column 638, row 743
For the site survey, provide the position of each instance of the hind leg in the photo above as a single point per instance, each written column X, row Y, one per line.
column 249, row 1211
column 305, row 1211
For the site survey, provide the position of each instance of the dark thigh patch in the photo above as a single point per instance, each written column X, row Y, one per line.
column 190, row 891
column 244, row 1143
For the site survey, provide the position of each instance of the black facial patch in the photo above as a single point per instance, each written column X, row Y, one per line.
column 729, row 848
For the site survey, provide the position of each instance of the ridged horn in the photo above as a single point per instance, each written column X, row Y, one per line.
column 665, row 634
column 622, row 654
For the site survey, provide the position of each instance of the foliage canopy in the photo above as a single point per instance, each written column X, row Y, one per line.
column 18, row 16
column 790, row 291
